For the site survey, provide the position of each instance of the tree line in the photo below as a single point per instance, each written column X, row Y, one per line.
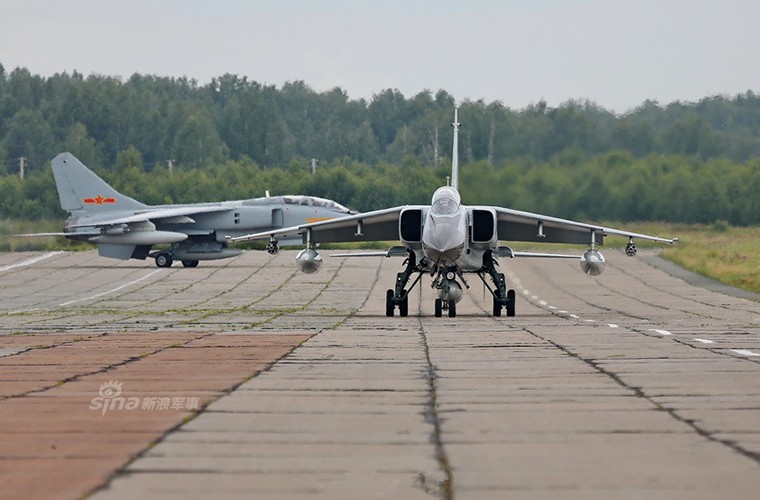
column 613, row 186
column 166, row 140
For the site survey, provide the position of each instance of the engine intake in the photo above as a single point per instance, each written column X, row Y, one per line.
column 483, row 226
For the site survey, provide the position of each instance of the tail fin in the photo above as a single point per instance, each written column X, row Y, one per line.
column 455, row 152
column 81, row 190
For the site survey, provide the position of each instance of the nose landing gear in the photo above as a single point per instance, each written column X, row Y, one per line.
column 451, row 307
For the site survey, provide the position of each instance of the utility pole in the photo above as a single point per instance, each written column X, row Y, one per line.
column 21, row 167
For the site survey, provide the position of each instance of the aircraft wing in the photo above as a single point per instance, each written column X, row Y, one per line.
column 378, row 225
column 181, row 214
column 513, row 225
column 516, row 225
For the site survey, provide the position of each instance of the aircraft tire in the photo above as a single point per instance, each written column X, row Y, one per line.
column 389, row 305
column 403, row 307
column 511, row 303
column 190, row 263
column 438, row 308
column 496, row 307
column 452, row 308
column 164, row 259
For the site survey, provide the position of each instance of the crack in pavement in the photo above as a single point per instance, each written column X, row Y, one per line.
column 446, row 487
column 639, row 393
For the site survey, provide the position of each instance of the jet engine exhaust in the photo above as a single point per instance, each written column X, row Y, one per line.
column 592, row 263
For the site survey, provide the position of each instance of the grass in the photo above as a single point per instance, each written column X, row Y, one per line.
column 731, row 255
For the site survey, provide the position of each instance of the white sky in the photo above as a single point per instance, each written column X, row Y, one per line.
column 617, row 53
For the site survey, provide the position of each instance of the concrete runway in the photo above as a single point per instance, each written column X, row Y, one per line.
column 244, row 378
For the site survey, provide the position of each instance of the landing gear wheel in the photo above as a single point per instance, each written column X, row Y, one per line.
column 438, row 308
column 510, row 303
column 403, row 307
column 389, row 305
column 190, row 263
column 452, row 308
column 496, row 305
column 164, row 259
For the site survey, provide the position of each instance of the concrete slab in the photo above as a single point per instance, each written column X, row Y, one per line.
column 600, row 387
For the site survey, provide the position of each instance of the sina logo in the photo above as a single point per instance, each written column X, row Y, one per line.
column 98, row 200
column 110, row 398
column 110, row 389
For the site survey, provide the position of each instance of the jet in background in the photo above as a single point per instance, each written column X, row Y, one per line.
column 447, row 240
column 124, row 228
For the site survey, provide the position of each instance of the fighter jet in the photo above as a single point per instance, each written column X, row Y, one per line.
column 124, row 228
column 446, row 240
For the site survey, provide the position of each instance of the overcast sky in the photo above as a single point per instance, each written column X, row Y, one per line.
column 617, row 53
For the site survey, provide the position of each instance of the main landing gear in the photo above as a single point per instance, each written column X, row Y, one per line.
column 165, row 259
column 502, row 298
column 448, row 288
column 399, row 297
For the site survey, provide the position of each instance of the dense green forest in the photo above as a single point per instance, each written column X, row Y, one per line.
column 234, row 138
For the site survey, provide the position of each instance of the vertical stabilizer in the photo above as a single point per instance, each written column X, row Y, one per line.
column 81, row 190
column 455, row 152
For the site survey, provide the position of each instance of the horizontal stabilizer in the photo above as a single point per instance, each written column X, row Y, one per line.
column 31, row 235
column 161, row 213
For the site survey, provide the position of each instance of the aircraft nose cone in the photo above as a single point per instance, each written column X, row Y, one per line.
column 443, row 244
column 443, row 236
column 439, row 256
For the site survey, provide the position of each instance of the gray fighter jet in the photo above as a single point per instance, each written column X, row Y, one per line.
column 447, row 239
column 124, row 228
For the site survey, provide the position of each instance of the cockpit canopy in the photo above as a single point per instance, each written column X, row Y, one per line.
column 445, row 201
column 307, row 201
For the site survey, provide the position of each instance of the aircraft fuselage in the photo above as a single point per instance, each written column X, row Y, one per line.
column 445, row 235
